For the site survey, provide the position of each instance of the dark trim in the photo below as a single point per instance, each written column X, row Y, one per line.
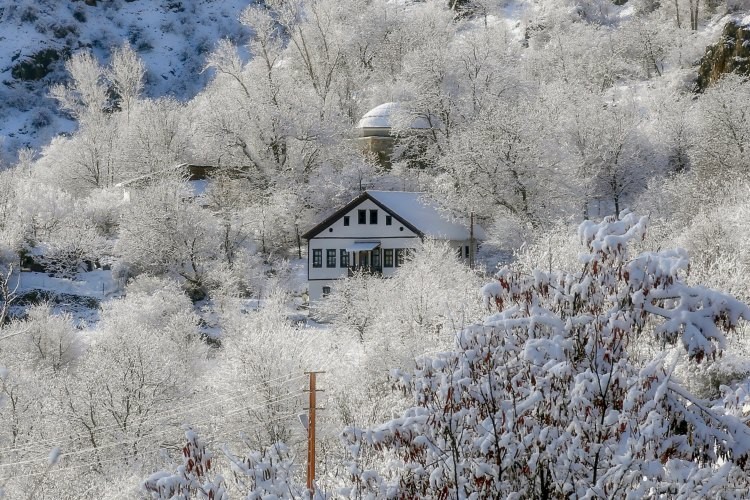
column 349, row 206
column 312, row 261
column 331, row 252
column 367, row 236
column 389, row 252
column 343, row 252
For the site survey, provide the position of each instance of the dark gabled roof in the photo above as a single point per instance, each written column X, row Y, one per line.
column 346, row 208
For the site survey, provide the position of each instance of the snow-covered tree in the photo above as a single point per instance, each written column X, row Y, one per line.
column 543, row 399
column 163, row 232
column 263, row 348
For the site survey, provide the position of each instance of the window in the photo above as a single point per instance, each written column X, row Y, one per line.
column 466, row 251
column 399, row 257
column 388, row 220
column 331, row 257
column 376, row 258
column 387, row 257
column 361, row 216
column 344, row 258
column 346, row 220
column 373, row 216
column 326, row 291
column 317, row 257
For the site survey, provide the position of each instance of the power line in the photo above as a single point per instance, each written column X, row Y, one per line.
column 155, row 417
column 158, row 433
column 122, row 457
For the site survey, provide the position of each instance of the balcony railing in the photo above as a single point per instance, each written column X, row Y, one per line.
column 365, row 269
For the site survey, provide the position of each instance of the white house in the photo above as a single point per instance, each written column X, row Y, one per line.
column 374, row 232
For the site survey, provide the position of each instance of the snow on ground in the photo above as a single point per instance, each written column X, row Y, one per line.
column 81, row 297
column 172, row 38
column 95, row 284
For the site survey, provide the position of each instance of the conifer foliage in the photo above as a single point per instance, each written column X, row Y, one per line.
column 545, row 399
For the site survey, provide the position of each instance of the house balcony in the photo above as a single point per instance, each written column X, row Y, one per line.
column 374, row 270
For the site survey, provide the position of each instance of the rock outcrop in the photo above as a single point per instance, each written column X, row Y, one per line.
column 730, row 55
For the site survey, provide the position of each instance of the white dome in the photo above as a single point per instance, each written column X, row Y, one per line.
column 380, row 117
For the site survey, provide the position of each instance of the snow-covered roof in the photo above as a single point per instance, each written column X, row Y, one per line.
column 413, row 210
column 381, row 117
column 425, row 215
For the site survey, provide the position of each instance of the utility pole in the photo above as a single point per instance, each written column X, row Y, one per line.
column 471, row 240
column 313, row 390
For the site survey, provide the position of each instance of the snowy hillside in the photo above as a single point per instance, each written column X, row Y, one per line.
column 173, row 273
column 37, row 36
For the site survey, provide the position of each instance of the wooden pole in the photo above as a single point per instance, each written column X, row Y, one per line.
column 471, row 240
column 311, row 430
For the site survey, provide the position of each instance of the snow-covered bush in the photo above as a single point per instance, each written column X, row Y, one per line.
column 193, row 479
column 266, row 474
column 543, row 400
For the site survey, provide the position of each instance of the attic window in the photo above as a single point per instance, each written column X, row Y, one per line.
column 388, row 220
column 361, row 216
column 346, row 220
column 373, row 216
column 330, row 229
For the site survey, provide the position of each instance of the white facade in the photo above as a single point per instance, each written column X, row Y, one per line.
column 378, row 243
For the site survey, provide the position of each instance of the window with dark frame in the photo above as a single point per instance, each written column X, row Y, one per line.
column 373, row 216
column 344, row 258
column 387, row 257
column 399, row 257
column 361, row 216
column 376, row 258
column 466, row 251
column 330, row 257
column 326, row 291
column 317, row 257
column 388, row 220
column 346, row 220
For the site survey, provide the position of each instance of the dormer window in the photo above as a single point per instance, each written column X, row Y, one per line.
column 373, row 216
